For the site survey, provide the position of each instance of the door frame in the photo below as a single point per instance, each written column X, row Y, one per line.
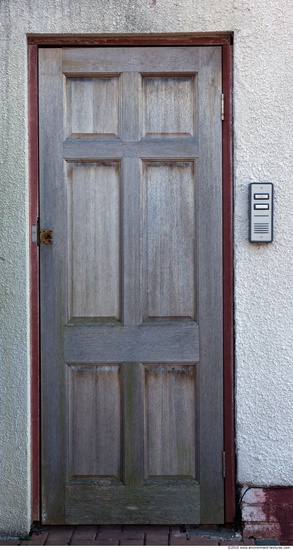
column 225, row 40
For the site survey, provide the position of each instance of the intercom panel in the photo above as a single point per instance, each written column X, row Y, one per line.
column 261, row 213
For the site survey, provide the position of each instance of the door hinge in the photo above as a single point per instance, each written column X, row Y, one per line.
column 224, row 463
column 222, row 107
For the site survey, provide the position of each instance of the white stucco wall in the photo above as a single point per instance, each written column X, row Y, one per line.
column 263, row 149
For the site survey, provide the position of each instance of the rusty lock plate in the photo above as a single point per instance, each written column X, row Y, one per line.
column 46, row 236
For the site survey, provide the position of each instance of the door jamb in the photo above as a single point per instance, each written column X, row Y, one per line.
column 33, row 128
column 218, row 39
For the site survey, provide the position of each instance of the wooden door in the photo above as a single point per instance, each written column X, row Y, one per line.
column 131, row 286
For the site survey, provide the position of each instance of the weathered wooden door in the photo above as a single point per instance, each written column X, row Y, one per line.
column 131, row 300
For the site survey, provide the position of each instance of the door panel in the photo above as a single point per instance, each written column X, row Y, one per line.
column 170, row 415
column 94, row 240
column 168, row 240
column 92, row 107
column 131, row 288
column 168, row 106
column 95, row 416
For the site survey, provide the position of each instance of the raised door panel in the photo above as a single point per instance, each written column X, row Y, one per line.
column 92, row 106
column 94, row 407
column 94, row 240
column 170, row 422
column 169, row 106
column 169, row 240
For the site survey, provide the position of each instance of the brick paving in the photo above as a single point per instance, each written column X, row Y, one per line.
column 128, row 535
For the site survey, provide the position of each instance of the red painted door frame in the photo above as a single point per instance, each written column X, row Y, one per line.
column 225, row 41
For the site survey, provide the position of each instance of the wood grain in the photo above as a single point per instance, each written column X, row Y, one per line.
column 95, row 149
column 94, row 239
column 93, row 106
column 130, row 107
column 170, row 423
column 107, row 61
column 169, row 240
column 169, row 106
column 53, row 298
column 165, row 504
column 210, row 308
column 95, row 422
column 131, row 257
column 133, row 422
column 34, row 279
column 162, row 211
column 92, row 342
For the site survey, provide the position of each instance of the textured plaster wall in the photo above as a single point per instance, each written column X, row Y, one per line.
column 263, row 90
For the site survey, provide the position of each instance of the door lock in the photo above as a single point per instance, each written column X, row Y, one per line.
column 46, row 236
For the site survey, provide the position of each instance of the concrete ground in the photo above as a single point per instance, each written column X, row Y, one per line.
column 129, row 535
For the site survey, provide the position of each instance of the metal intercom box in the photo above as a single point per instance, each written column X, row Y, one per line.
column 261, row 212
